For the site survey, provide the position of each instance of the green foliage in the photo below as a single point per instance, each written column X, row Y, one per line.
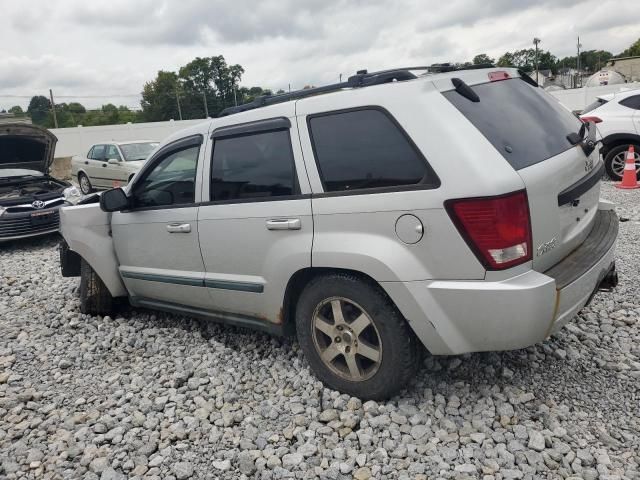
column 38, row 109
column 16, row 110
column 525, row 59
column 590, row 60
column 483, row 58
column 204, row 79
column 633, row 50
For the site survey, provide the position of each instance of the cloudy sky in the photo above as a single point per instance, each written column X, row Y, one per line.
column 100, row 51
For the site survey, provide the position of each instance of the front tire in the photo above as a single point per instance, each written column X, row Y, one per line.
column 354, row 338
column 95, row 298
column 85, row 184
column 615, row 159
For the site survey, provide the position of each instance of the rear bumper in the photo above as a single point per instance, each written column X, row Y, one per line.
column 453, row 317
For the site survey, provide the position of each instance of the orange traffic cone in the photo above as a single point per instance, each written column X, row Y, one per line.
column 629, row 179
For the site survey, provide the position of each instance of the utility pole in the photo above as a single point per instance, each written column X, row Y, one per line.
column 53, row 109
column 536, row 41
column 578, row 63
column 206, row 108
column 178, row 102
column 340, row 78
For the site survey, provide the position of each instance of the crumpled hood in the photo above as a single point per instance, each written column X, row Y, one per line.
column 14, row 151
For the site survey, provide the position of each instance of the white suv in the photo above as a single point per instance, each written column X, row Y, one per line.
column 618, row 118
column 458, row 210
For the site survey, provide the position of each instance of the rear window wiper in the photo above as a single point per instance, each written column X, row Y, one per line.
column 465, row 90
column 588, row 144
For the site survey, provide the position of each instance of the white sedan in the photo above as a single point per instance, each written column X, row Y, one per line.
column 110, row 164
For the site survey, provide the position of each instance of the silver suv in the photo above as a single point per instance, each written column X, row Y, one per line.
column 458, row 210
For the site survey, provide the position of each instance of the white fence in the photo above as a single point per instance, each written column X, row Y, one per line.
column 578, row 98
column 77, row 140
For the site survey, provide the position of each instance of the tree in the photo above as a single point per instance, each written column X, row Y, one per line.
column 16, row 110
column 632, row 51
column 483, row 58
column 159, row 98
column 38, row 109
column 525, row 59
column 204, row 77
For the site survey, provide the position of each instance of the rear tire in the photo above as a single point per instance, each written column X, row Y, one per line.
column 85, row 184
column 369, row 349
column 95, row 298
column 615, row 159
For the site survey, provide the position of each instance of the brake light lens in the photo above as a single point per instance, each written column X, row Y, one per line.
column 591, row 119
column 498, row 75
column 497, row 229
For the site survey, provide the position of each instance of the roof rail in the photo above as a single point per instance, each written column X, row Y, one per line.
column 362, row 78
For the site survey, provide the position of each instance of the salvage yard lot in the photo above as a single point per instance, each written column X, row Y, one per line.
column 151, row 395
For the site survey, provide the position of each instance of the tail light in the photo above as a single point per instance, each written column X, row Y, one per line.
column 591, row 119
column 497, row 229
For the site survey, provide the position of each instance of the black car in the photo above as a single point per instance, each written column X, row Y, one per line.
column 29, row 197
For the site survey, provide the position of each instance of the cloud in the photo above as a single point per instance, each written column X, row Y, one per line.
column 100, row 47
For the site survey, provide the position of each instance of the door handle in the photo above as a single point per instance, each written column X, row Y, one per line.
column 179, row 228
column 284, row 224
column 86, row 162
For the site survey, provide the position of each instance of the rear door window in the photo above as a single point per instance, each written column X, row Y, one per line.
column 364, row 149
column 253, row 166
column 525, row 124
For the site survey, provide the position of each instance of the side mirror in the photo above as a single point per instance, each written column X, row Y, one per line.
column 113, row 161
column 114, row 200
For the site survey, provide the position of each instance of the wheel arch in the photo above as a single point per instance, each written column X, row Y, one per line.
column 617, row 139
column 397, row 295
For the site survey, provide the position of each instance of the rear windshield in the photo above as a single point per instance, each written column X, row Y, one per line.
column 592, row 106
column 525, row 124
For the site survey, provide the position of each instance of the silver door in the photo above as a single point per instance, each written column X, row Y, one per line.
column 114, row 174
column 257, row 229
column 157, row 241
column 93, row 166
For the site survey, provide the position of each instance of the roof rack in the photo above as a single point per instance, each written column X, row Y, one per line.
column 362, row 78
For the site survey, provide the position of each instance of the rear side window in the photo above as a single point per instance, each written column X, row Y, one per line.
column 253, row 166
column 364, row 148
column 592, row 106
column 631, row 102
column 525, row 124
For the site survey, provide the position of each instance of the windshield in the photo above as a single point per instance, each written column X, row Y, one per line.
column 137, row 151
column 524, row 123
column 592, row 106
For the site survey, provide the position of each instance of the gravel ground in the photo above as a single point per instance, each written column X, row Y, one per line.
column 148, row 395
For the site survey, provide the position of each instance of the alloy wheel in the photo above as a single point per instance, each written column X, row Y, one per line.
column 346, row 339
column 85, row 185
column 618, row 163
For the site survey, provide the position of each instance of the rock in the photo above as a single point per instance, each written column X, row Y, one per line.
column 246, row 463
column 98, row 465
column 329, row 415
column 363, row 473
column 292, row 460
column 536, row 440
column 222, row 465
column 182, row 470
column 110, row 474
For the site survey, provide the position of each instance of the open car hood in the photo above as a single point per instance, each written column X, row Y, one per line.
column 24, row 146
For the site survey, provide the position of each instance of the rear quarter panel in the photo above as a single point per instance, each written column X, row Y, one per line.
column 358, row 231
